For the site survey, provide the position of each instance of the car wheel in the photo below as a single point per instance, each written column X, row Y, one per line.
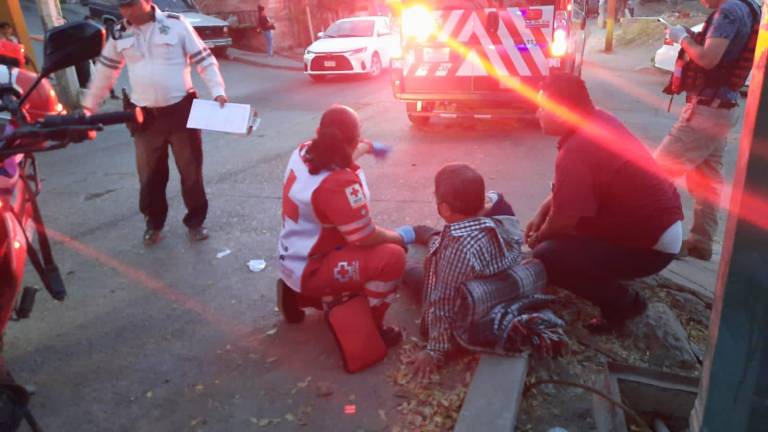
column 375, row 66
column 317, row 78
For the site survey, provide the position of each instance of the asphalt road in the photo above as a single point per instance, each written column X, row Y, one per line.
column 174, row 338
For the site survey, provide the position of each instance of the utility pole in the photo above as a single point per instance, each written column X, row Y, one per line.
column 610, row 19
column 10, row 11
column 67, row 86
column 733, row 393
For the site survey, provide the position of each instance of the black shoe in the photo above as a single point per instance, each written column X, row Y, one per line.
column 288, row 303
column 198, row 234
column 392, row 336
column 615, row 320
column 151, row 237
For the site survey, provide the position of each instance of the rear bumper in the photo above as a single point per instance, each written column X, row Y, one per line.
column 215, row 43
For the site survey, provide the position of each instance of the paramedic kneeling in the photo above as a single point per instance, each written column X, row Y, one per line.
column 329, row 244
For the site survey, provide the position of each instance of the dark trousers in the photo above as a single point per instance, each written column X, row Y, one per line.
column 593, row 269
column 167, row 129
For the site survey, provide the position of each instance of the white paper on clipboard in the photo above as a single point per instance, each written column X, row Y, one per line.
column 209, row 115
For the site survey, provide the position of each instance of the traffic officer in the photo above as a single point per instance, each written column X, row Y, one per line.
column 159, row 48
column 711, row 68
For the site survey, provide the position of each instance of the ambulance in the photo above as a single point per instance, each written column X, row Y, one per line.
column 483, row 58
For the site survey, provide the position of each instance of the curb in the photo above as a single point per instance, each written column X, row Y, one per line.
column 257, row 63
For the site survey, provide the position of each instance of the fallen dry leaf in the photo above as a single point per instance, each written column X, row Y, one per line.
column 305, row 382
column 149, row 394
column 197, row 421
column 271, row 332
column 383, row 415
column 271, row 359
column 199, row 388
column 290, row 417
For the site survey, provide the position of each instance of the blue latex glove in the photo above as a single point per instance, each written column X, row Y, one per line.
column 380, row 151
column 677, row 33
column 407, row 233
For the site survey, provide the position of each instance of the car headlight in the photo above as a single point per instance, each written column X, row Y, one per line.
column 357, row 51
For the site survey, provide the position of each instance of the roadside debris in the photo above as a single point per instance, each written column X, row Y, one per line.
column 257, row 265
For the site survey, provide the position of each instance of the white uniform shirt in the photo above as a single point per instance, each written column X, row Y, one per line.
column 158, row 55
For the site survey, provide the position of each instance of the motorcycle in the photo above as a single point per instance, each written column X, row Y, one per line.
column 32, row 121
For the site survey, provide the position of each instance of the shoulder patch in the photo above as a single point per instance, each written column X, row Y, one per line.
column 172, row 15
column 355, row 195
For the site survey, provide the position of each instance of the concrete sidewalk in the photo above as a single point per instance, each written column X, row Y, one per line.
column 263, row 60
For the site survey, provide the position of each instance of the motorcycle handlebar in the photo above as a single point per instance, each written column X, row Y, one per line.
column 82, row 119
column 64, row 129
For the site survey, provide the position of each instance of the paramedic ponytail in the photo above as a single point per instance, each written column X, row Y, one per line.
column 336, row 140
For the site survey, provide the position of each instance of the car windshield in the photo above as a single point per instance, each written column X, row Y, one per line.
column 350, row 28
column 176, row 5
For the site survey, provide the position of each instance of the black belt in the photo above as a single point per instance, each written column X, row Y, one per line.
column 712, row 102
column 170, row 108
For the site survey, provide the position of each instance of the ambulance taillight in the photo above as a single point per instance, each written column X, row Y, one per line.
column 559, row 46
column 418, row 23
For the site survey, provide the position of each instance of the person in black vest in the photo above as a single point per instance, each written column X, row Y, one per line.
column 612, row 215
column 714, row 65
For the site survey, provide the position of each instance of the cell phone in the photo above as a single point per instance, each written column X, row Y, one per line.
column 663, row 21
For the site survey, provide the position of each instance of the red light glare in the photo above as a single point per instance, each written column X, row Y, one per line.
column 350, row 409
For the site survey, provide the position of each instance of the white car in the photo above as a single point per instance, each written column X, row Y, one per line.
column 665, row 56
column 360, row 45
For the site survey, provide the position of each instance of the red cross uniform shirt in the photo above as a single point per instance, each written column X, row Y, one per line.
column 321, row 212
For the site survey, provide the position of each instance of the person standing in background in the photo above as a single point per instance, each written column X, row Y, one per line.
column 266, row 26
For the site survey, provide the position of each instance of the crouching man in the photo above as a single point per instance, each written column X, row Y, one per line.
column 612, row 215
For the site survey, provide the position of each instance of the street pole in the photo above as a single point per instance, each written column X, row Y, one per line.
column 733, row 393
column 67, row 85
column 309, row 23
column 10, row 11
column 610, row 18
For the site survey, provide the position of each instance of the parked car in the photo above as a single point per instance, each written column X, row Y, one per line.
column 665, row 56
column 359, row 45
column 213, row 31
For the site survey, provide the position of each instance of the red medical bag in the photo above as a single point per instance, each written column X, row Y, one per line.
column 357, row 335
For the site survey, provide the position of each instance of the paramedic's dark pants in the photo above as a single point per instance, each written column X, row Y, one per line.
column 593, row 269
column 166, row 128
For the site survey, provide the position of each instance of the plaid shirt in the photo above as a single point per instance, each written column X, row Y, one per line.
column 467, row 250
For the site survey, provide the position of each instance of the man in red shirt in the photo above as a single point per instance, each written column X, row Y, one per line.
column 612, row 215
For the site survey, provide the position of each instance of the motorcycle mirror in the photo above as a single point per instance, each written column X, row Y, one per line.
column 71, row 44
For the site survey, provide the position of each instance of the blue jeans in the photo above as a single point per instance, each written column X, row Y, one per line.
column 593, row 269
column 268, row 38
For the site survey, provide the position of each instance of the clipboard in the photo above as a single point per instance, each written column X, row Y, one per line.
column 234, row 118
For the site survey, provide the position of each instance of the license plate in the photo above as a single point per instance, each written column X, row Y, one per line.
column 436, row 55
column 329, row 63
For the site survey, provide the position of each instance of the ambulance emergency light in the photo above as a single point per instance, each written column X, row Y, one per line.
column 418, row 23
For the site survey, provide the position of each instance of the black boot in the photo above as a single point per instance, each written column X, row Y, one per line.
column 613, row 319
column 288, row 303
